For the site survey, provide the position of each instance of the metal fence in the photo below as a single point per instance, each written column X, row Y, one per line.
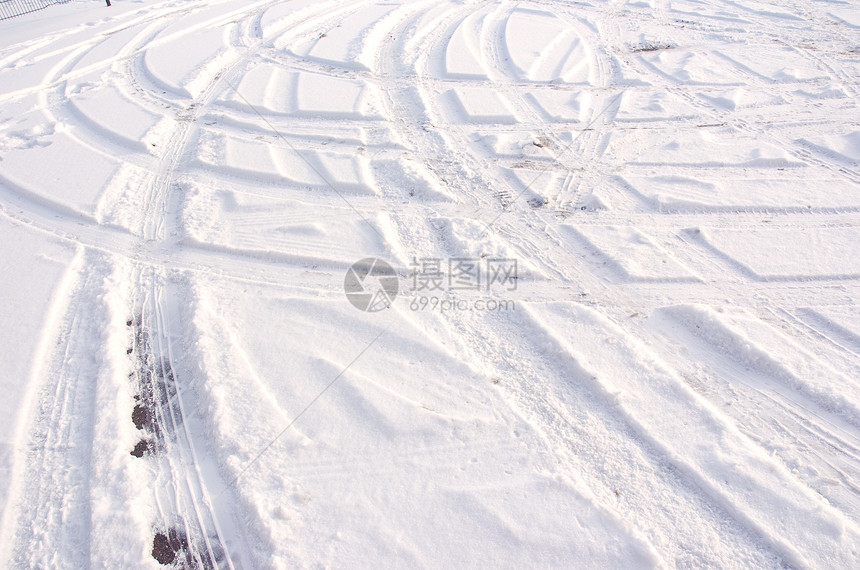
column 12, row 8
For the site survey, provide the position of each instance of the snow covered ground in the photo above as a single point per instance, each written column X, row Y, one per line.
column 658, row 364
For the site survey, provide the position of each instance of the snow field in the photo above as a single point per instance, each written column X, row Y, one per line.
column 184, row 184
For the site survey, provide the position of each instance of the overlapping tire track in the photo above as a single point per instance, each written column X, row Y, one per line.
column 186, row 515
column 188, row 525
column 59, row 458
column 188, row 522
column 515, row 236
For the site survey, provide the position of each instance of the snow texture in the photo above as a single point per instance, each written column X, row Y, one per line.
column 670, row 379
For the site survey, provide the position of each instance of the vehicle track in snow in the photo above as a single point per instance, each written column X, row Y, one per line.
column 184, row 511
column 589, row 160
column 186, row 515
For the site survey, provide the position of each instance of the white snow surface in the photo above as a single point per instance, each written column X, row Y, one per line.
column 671, row 381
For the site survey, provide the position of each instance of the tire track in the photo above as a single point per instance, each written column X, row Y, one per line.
column 187, row 533
column 53, row 529
column 188, row 523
